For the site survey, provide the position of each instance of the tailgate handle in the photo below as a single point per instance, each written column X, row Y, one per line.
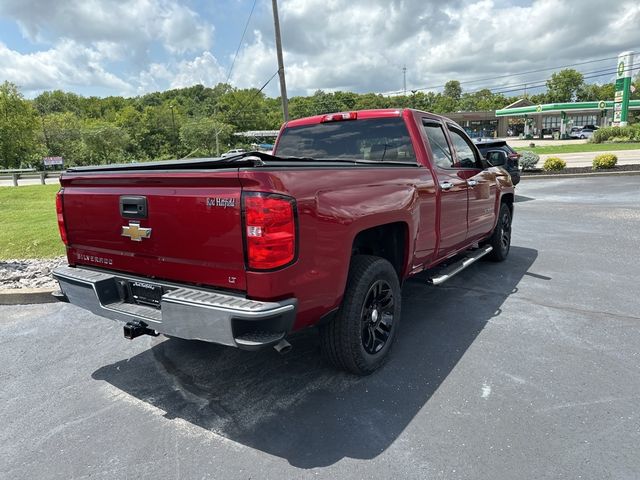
column 133, row 207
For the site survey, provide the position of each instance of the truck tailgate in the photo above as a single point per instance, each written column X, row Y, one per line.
column 194, row 219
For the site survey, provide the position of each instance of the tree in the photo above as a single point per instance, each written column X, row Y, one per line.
column 58, row 101
column 564, row 85
column 635, row 94
column 105, row 142
column 159, row 129
column 453, row 90
column 205, row 137
column 62, row 135
column 482, row 100
column 369, row 101
column 19, row 129
column 425, row 101
column 594, row 92
column 245, row 109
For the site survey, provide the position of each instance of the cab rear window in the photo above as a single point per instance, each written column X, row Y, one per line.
column 377, row 139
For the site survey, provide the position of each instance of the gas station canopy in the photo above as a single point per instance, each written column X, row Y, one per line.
column 563, row 107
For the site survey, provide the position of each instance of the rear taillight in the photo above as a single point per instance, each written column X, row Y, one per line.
column 60, row 213
column 270, row 230
column 514, row 157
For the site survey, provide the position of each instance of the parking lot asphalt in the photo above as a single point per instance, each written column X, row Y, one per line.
column 523, row 369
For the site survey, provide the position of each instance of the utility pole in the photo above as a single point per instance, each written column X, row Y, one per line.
column 175, row 134
column 283, row 85
column 46, row 137
column 404, row 79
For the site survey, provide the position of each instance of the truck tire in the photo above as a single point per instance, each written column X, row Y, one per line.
column 500, row 239
column 358, row 339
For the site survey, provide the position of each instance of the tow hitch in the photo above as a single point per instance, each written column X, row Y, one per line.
column 136, row 329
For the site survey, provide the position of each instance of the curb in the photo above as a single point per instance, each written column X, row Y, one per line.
column 26, row 296
column 579, row 175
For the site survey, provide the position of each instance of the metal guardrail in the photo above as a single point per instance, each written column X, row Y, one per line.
column 14, row 176
column 16, row 170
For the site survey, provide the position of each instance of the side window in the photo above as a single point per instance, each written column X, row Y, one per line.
column 466, row 152
column 439, row 145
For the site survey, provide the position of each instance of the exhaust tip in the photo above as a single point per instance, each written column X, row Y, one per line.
column 282, row 347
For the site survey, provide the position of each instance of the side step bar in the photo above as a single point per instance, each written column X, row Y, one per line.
column 455, row 268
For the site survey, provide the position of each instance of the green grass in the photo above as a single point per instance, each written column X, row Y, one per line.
column 581, row 147
column 28, row 225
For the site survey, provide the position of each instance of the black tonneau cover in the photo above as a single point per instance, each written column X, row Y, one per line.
column 244, row 160
column 249, row 159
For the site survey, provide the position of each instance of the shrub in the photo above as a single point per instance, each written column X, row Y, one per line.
column 619, row 139
column 554, row 164
column 617, row 134
column 528, row 160
column 604, row 160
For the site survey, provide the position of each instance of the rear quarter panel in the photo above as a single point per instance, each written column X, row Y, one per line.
column 334, row 205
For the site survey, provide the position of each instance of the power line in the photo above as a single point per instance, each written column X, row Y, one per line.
column 246, row 25
column 508, row 75
column 243, row 107
column 538, row 83
column 543, row 83
column 533, row 84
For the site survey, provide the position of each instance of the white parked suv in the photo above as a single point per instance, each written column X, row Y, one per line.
column 235, row 151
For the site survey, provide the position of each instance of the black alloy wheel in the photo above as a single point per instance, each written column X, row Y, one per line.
column 500, row 239
column 377, row 317
column 505, row 227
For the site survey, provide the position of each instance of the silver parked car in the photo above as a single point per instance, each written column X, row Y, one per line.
column 584, row 132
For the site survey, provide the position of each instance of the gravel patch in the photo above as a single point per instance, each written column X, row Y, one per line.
column 570, row 170
column 34, row 273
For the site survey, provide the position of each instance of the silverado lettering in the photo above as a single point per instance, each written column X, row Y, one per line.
column 330, row 225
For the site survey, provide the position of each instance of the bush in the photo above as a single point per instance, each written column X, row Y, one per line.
column 605, row 160
column 528, row 160
column 630, row 133
column 554, row 164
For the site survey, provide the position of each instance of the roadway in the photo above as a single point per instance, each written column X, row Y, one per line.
column 522, row 369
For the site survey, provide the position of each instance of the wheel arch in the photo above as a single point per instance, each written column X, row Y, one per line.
column 389, row 241
column 508, row 198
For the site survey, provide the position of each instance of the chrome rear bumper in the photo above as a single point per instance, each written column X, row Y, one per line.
column 185, row 312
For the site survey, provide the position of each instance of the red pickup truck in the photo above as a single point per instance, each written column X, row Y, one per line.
column 245, row 250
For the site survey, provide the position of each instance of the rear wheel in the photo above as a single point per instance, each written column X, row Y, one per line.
column 360, row 336
column 500, row 239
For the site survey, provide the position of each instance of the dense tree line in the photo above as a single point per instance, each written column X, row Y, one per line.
column 200, row 121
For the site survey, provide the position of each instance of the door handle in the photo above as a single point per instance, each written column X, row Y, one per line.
column 446, row 185
column 133, row 207
column 472, row 183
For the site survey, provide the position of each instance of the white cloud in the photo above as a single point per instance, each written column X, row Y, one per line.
column 255, row 64
column 135, row 23
column 362, row 45
column 203, row 69
column 359, row 45
column 88, row 41
column 67, row 64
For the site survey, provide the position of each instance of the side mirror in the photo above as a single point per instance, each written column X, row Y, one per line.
column 496, row 158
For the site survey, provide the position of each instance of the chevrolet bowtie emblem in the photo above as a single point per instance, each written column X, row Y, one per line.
column 135, row 232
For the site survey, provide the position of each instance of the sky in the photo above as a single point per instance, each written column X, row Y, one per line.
column 132, row 47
